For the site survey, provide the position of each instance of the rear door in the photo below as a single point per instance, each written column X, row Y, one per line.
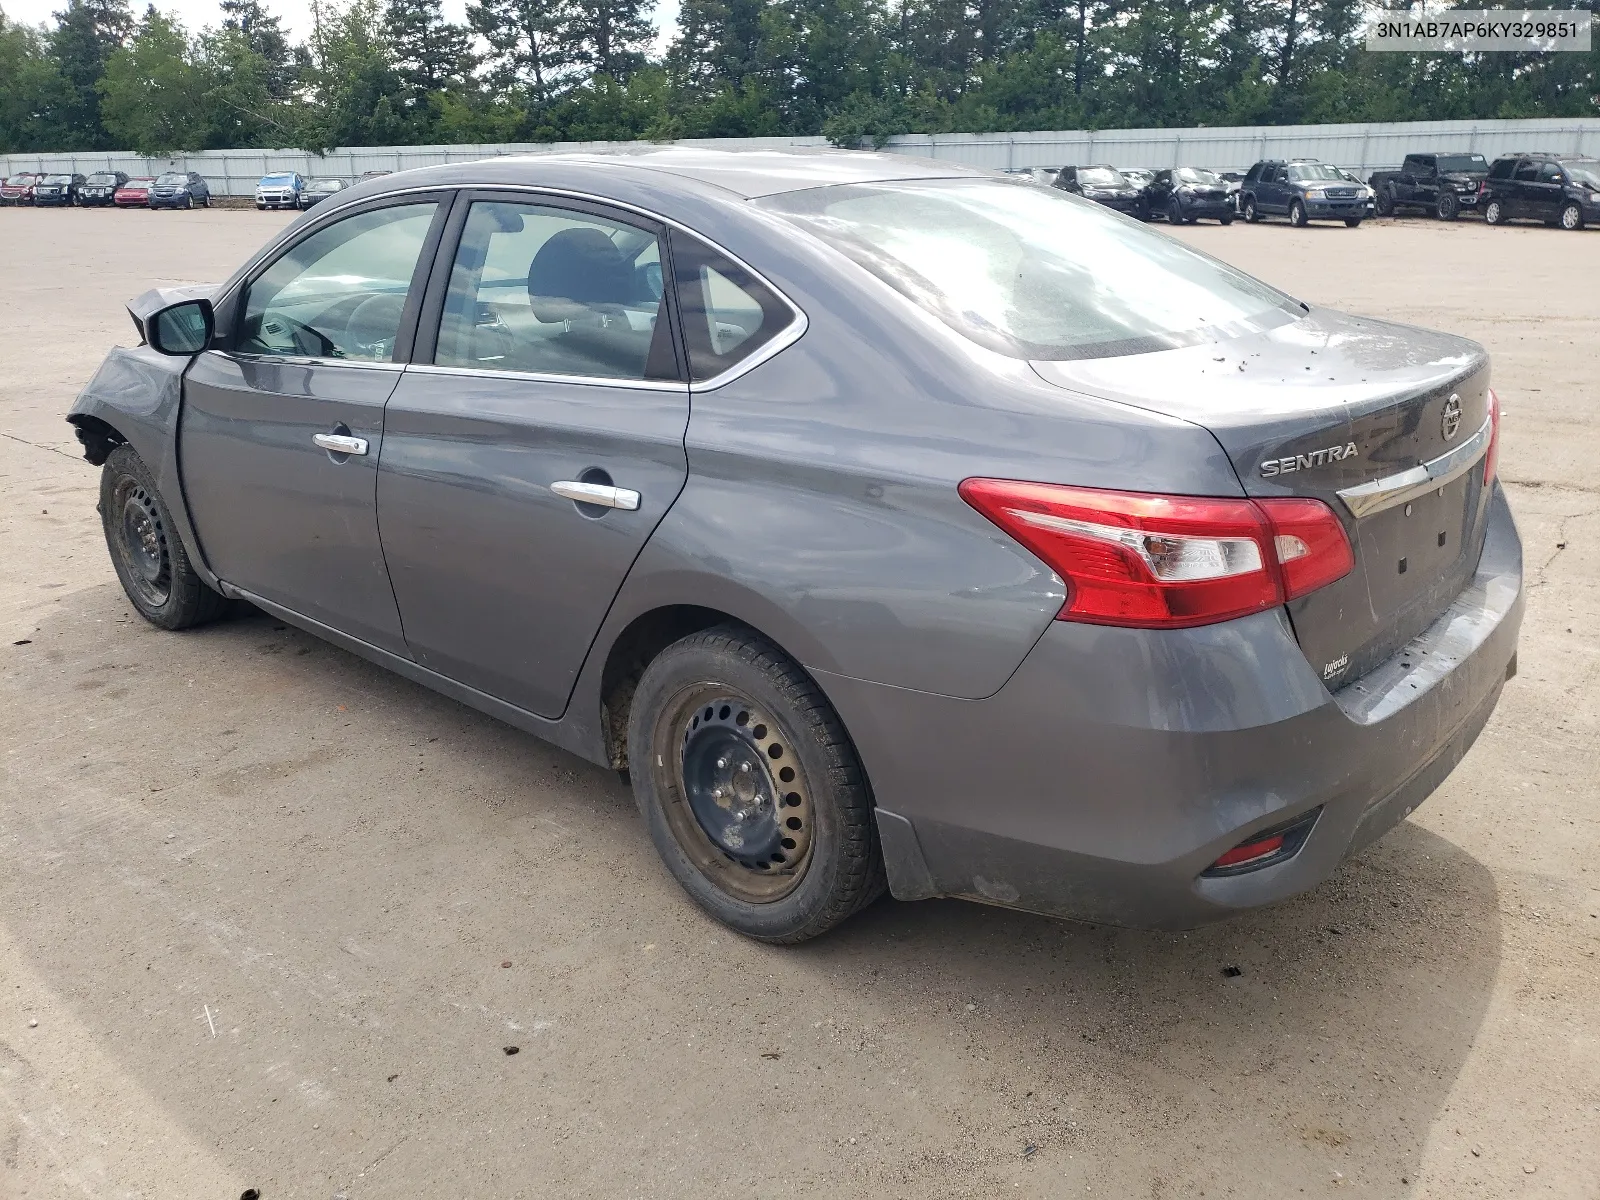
column 282, row 426
column 1271, row 195
column 1547, row 191
column 1524, row 188
column 535, row 442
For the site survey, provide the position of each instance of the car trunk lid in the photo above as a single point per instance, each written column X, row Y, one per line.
column 1383, row 422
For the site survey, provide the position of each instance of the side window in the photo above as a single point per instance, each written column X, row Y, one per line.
column 1527, row 170
column 728, row 314
column 1425, row 166
column 341, row 292
column 1551, row 173
column 1502, row 168
column 555, row 291
column 1254, row 174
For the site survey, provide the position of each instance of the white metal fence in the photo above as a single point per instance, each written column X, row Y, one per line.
column 1359, row 147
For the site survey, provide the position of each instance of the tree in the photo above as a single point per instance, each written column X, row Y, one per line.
column 153, row 96
column 357, row 92
column 263, row 34
column 34, row 98
column 428, row 53
column 532, row 45
column 87, row 34
column 610, row 37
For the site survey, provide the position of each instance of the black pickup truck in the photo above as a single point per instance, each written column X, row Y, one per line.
column 1443, row 184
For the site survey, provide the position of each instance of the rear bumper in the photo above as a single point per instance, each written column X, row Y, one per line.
column 1116, row 765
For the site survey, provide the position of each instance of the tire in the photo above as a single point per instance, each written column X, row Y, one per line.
column 1353, row 222
column 1251, row 216
column 146, row 550
column 188, row 203
column 1571, row 217
column 1297, row 215
column 1447, row 208
column 701, row 704
column 1385, row 202
column 1174, row 212
column 261, row 207
column 1494, row 213
column 1225, row 219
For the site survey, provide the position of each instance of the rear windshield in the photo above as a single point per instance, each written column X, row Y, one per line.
column 1101, row 176
column 172, row 177
column 1463, row 162
column 101, row 177
column 1196, row 175
column 1305, row 172
column 1584, row 171
column 1031, row 272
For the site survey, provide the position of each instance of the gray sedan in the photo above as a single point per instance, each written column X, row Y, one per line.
column 888, row 524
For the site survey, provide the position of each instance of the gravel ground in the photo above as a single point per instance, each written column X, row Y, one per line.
column 269, row 916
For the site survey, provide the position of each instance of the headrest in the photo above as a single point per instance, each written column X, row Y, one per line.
column 575, row 272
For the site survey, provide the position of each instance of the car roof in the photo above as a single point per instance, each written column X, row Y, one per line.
column 743, row 173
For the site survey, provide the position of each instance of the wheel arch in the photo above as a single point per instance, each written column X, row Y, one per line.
column 98, row 436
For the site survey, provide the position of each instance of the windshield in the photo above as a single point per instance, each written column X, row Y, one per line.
column 275, row 180
column 1585, row 173
column 172, row 177
column 1034, row 273
column 1309, row 172
column 1100, row 177
column 57, row 179
column 1463, row 162
column 101, row 177
column 327, row 185
column 19, row 180
column 143, row 179
column 1196, row 175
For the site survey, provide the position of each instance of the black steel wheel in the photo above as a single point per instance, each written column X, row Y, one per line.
column 146, row 550
column 1448, row 208
column 751, row 788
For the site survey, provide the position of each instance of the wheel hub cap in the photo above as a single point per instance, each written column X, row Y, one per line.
column 144, row 544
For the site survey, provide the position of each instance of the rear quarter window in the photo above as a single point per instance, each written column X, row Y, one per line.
column 1502, row 168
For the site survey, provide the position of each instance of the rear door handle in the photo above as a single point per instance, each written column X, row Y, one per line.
column 340, row 443
column 602, row 494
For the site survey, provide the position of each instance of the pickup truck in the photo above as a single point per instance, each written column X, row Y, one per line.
column 1443, row 184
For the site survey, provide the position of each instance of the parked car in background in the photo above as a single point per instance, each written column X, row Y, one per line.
column 320, row 190
column 101, row 187
column 1442, row 184
column 180, row 189
column 948, row 534
column 18, row 188
column 1558, row 189
column 280, row 191
column 135, row 193
column 1044, row 176
column 1140, row 177
column 1103, row 184
column 1183, row 195
column 1304, row 190
column 57, row 191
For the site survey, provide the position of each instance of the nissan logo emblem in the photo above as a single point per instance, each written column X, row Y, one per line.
column 1452, row 416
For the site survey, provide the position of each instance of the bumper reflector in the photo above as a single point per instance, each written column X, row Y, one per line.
column 1249, row 851
column 1266, row 847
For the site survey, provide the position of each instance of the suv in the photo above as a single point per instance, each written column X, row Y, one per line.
column 280, row 191
column 101, row 187
column 1441, row 183
column 1558, row 189
column 57, row 190
column 180, row 189
column 1304, row 190
column 1185, row 194
column 1103, row 184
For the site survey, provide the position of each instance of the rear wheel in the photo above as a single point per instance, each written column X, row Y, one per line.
column 751, row 788
column 1297, row 215
column 145, row 548
column 1448, row 208
column 1494, row 213
column 1250, row 213
column 1572, row 217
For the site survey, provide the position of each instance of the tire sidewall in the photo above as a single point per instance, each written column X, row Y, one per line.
column 1577, row 221
column 1251, row 214
column 189, row 600
column 1297, row 215
column 1494, row 213
column 1446, row 208
column 684, row 667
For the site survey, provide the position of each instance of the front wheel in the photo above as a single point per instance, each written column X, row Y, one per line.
column 1494, row 213
column 146, row 550
column 1297, row 215
column 1384, row 202
column 1353, row 222
column 1250, row 213
column 1572, row 217
column 1448, row 207
column 751, row 788
column 1226, row 219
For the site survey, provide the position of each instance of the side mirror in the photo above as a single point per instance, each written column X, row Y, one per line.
column 181, row 329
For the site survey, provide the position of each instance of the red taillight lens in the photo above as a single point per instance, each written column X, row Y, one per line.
column 1491, row 460
column 1250, row 851
column 1150, row 561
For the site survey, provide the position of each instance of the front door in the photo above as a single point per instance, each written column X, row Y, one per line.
column 534, row 450
column 282, row 428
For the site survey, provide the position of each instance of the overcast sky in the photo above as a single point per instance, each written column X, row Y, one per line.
column 296, row 14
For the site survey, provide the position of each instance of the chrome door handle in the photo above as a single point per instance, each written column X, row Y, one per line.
column 602, row 494
column 340, row 443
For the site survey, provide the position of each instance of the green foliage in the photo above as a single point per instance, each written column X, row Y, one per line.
column 388, row 72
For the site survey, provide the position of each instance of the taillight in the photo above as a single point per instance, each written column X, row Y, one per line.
column 1151, row 561
column 1491, row 460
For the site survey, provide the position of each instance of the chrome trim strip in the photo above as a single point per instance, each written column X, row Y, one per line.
column 651, row 385
column 1377, row 495
column 602, row 494
column 302, row 360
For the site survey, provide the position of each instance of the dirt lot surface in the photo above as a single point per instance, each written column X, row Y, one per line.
column 258, row 897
